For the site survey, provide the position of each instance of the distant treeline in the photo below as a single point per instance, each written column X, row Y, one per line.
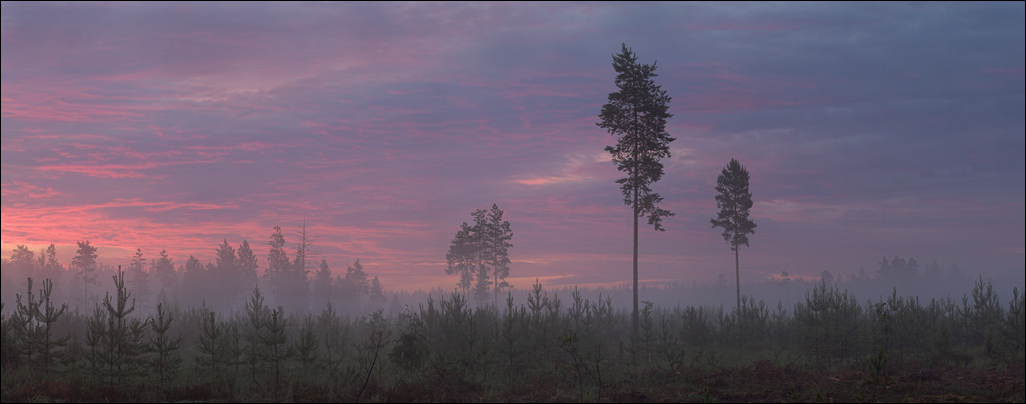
column 295, row 282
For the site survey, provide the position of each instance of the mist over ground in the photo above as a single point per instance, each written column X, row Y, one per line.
column 901, row 277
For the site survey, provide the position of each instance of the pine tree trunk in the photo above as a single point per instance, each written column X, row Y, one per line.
column 737, row 274
column 634, row 316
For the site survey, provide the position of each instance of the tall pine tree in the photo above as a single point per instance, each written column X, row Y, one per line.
column 636, row 114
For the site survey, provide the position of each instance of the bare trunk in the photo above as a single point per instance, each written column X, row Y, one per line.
column 737, row 274
column 634, row 316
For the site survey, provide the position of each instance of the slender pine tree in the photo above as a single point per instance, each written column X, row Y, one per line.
column 636, row 114
column 735, row 204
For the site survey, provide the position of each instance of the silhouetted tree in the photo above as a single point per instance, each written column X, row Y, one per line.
column 247, row 266
column 483, row 285
column 256, row 314
column 212, row 346
column 138, row 278
column 499, row 234
column 53, row 270
column 164, row 346
column 85, row 263
column 377, row 294
column 23, row 262
column 296, row 280
column 226, row 277
column 637, row 114
column 735, row 203
column 481, row 251
column 118, row 347
column 164, row 269
column 461, row 257
column 277, row 264
column 275, row 340
column 352, row 287
column 52, row 346
column 194, row 281
column 322, row 287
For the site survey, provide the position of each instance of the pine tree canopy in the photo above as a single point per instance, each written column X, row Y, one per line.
column 735, row 203
column 637, row 115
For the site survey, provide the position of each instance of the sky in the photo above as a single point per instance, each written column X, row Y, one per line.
column 869, row 130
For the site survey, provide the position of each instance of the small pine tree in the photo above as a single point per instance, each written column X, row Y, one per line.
column 212, row 347
column 234, row 350
column 336, row 336
column 28, row 334
column 306, row 347
column 164, row 346
column 256, row 316
column 50, row 348
column 5, row 337
column 116, row 342
column 95, row 328
column 275, row 339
